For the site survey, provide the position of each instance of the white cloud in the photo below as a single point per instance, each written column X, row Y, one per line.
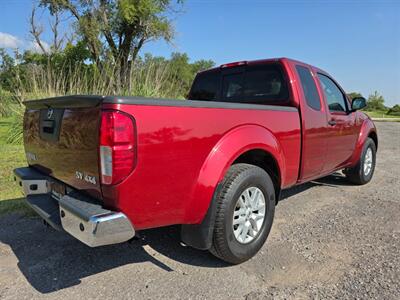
column 34, row 46
column 9, row 41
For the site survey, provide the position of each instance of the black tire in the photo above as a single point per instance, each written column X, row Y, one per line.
column 356, row 174
column 240, row 177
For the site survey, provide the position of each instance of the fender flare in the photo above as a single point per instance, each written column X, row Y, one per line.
column 366, row 129
column 200, row 210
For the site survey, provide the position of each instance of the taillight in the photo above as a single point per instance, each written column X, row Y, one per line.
column 117, row 146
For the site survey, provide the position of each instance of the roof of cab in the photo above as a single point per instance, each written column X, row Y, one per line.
column 261, row 61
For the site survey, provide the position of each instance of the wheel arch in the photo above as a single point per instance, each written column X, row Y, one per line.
column 267, row 162
column 374, row 136
column 250, row 144
column 368, row 130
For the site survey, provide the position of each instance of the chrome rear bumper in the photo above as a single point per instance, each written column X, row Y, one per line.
column 80, row 216
column 94, row 226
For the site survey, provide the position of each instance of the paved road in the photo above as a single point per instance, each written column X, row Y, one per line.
column 329, row 239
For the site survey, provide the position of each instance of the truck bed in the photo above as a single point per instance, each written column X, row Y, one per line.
column 174, row 141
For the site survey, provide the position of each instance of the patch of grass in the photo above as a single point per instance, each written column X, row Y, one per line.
column 4, row 126
column 379, row 114
column 15, row 205
column 12, row 156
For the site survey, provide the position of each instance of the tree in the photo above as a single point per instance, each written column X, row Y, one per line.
column 376, row 102
column 36, row 30
column 118, row 29
column 7, row 63
column 394, row 111
column 353, row 95
column 181, row 71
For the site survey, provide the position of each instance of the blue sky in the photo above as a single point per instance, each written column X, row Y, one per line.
column 358, row 42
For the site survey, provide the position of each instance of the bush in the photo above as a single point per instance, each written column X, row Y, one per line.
column 394, row 111
column 375, row 102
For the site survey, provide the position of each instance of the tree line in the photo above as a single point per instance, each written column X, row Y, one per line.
column 95, row 49
column 376, row 102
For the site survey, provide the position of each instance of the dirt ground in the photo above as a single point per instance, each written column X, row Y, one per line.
column 329, row 240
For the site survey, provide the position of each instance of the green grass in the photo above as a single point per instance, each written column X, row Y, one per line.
column 379, row 114
column 11, row 156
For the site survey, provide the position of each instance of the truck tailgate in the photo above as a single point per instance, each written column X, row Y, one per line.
column 61, row 137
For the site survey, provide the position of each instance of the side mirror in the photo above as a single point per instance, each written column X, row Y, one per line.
column 358, row 103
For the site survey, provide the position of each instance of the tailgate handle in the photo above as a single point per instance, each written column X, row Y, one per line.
column 48, row 126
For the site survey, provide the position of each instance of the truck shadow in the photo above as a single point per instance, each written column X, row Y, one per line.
column 334, row 180
column 52, row 260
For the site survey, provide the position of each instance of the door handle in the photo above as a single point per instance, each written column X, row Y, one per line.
column 332, row 122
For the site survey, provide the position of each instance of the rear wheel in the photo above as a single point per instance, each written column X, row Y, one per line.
column 364, row 170
column 245, row 211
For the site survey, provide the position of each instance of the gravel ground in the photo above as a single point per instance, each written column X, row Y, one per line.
column 329, row 240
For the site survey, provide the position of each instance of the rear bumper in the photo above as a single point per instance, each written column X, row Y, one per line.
column 80, row 216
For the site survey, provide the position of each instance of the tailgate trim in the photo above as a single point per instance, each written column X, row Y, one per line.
column 73, row 101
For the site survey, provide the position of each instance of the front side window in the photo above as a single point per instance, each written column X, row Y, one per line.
column 333, row 95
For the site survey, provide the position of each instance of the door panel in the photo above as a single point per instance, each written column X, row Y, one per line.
column 314, row 125
column 341, row 141
column 341, row 125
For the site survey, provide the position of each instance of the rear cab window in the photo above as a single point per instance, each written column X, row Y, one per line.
column 253, row 84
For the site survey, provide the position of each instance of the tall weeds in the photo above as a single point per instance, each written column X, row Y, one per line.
column 147, row 80
column 150, row 80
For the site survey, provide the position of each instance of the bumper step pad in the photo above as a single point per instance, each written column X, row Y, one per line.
column 47, row 208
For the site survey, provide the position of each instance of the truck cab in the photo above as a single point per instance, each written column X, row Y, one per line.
column 329, row 125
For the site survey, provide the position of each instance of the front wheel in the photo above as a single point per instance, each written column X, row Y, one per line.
column 364, row 170
column 245, row 211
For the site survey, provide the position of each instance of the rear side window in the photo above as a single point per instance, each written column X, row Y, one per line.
column 309, row 87
column 261, row 84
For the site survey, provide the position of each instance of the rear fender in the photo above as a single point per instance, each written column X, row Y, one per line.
column 234, row 143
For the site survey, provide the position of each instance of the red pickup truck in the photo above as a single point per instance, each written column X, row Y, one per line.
column 104, row 168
